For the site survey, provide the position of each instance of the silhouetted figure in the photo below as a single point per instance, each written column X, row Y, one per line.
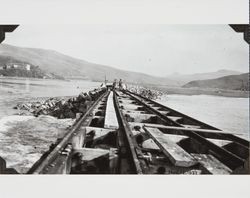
column 120, row 84
column 115, row 84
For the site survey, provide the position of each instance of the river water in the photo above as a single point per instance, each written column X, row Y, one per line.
column 21, row 145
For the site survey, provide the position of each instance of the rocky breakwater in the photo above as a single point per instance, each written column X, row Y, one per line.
column 145, row 92
column 60, row 107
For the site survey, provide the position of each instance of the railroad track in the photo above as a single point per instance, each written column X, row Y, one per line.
column 57, row 160
column 167, row 141
column 125, row 133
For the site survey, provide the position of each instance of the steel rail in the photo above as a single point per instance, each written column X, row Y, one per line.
column 172, row 110
column 66, row 139
column 154, row 111
column 131, row 143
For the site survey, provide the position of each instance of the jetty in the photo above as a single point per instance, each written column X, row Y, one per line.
column 122, row 132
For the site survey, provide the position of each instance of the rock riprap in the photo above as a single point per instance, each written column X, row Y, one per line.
column 145, row 92
column 60, row 107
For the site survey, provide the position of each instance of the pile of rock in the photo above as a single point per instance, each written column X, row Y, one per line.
column 145, row 92
column 62, row 108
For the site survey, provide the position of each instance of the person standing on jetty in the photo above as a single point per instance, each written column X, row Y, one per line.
column 122, row 85
column 115, row 84
column 119, row 85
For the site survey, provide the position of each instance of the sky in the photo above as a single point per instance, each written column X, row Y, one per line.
column 125, row 11
column 157, row 50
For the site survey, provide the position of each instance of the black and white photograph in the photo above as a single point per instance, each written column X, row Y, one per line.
column 124, row 99
column 124, row 93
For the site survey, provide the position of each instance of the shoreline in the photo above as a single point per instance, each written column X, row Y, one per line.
column 32, row 78
column 165, row 89
column 46, row 79
column 198, row 91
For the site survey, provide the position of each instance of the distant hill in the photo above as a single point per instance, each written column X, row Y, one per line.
column 69, row 67
column 232, row 82
column 183, row 79
column 10, row 66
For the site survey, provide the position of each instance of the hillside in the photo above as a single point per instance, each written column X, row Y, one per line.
column 185, row 78
column 68, row 67
column 10, row 66
column 232, row 82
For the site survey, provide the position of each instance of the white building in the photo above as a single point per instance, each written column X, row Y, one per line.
column 28, row 67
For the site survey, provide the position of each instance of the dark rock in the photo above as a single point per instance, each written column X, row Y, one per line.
column 61, row 108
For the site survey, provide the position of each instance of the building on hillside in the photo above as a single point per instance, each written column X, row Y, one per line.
column 23, row 66
column 28, row 67
column 8, row 66
column 15, row 66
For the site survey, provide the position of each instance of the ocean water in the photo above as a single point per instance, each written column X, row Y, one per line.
column 226, row 113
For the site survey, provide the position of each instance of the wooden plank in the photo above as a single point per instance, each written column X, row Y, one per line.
column 110, row 117
column 126, row 101
column 155, row 107
column 132, row 124
column 164, row 112
column 140, row 117
column 133, row 111
column 175, row 138
column 191, row 126
column 211, row 164
column 98, row 132
column 130, row 106
column 219, row 142
column 186, row 129
column 174, row 118
column 89, row 154
column 150, row 144
column 177, row 155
